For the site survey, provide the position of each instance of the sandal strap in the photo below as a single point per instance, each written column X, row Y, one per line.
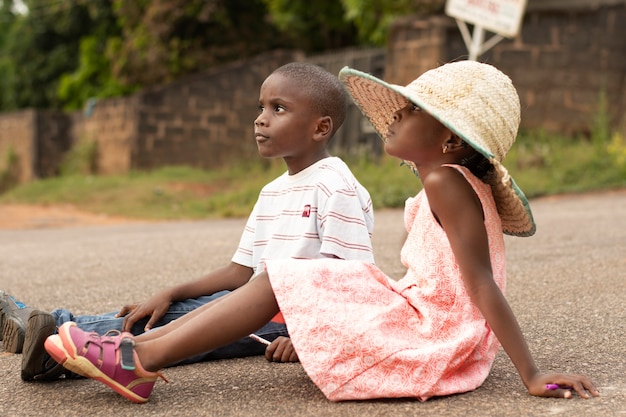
column 127, row 354
column 109, row 349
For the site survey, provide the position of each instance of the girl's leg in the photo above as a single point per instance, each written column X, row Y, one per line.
column 163, row 330
column 216, row 324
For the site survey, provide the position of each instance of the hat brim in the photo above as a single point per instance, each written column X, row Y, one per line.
column 379, row 100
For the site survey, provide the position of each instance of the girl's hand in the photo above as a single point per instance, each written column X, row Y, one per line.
column 562, row 385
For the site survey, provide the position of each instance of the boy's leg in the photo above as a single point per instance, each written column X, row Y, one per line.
column 102, row 323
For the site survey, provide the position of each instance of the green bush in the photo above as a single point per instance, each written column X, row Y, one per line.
column 9, row 174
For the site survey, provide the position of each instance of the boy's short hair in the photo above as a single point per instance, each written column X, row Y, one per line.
column 328, row 95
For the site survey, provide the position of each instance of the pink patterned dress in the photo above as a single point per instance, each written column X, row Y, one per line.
column 359, row 334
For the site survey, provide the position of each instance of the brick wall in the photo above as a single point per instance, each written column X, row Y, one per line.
column 112, row 124
column 17, row 135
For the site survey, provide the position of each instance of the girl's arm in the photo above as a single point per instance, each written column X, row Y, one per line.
column 457, row 207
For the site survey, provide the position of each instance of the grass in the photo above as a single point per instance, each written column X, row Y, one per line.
column 541, row 165
column 546, row 164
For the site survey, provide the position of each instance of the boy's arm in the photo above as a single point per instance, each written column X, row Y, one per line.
column 458, row 209
column 281, row 350
column 228, row 277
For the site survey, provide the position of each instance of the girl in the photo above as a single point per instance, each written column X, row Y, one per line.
column 358, row 333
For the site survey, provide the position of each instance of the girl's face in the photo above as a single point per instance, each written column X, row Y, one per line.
column 416, row 136
column 286, row 123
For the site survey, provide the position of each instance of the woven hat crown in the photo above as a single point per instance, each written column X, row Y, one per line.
column 476, row 101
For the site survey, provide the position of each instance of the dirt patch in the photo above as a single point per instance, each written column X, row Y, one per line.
column 21, row 216
column 199, row 190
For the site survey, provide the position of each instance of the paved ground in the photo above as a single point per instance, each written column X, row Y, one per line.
column 566, row 284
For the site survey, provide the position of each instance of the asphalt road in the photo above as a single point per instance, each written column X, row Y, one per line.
column 566, row 284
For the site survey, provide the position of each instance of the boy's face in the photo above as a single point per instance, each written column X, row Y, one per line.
column 286, row 123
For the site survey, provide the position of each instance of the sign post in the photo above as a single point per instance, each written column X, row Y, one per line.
column 503, row 17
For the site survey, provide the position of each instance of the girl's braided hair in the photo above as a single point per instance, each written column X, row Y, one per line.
column 478, row 165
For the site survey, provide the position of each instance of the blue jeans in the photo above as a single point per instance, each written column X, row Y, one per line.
column 241, row 348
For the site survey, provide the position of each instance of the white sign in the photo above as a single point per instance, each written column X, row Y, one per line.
column 499, row 16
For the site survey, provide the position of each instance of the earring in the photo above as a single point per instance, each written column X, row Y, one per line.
column 445, row 148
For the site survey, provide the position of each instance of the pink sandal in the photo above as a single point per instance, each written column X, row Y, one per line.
column 110, row 359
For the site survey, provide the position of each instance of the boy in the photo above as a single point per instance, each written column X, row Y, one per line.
column 316, row 209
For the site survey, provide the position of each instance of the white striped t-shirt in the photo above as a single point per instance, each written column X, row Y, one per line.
column 322, row 211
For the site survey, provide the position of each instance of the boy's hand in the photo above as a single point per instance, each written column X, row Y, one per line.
column 155, row 307
column 281, row 350
column 562, row 386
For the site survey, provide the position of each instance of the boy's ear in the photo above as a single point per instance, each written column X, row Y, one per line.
column 324, row 128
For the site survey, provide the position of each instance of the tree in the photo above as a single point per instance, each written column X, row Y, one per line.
column 312, row 26
column 335, row 24
column 39, row 47
column 374, row 17
column 164, row 39
column 93, row 77
column 7, row 19
column 61, row 53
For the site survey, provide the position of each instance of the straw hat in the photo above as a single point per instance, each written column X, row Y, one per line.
column 475, row 101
